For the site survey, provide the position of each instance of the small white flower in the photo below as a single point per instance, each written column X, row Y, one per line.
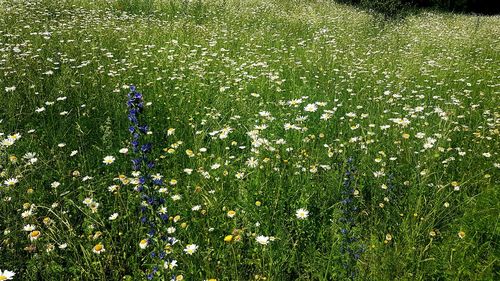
column 7, row 142
column 113, row 217
column 87, row 201
column 263, row 240
column 240, row 175
column 143, row 244
column 170, row 265
column 311, row 107
column 158, row 176
column 123, row 150
column 29, row 227
column 73, row 153
column 86, row 178
column 26, row 214
column 108, row 160
column 10, row 89
column 302, row 213
column 191, row 249
column 163, row 210
column 6, row 274
column 252, row 162
column 11, row 181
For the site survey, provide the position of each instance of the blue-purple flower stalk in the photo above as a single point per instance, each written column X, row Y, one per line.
column 142, row 163
column 350, row 247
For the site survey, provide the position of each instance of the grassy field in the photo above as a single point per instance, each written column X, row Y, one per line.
column 273, row 140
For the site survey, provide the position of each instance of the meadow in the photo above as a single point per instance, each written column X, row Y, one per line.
column 247, row 140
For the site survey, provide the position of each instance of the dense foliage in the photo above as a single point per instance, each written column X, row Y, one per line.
column 262, row 140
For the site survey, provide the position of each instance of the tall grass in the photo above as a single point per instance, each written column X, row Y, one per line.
column 292, row 140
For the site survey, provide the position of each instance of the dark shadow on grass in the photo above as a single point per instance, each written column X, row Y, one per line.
column 397, row 10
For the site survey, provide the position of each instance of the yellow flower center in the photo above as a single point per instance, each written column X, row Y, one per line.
column 98, row 247
column 228, row 238
column 3, row 277
column 34, row 234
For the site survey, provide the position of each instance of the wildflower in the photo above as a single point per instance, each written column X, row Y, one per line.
column 7, row 142
column 34, row 235
column 143, row 244
column 231, row 214
column 10, row 89
column 108, row 160
column 87, row 201
column 11, row 181
column 113, row 217
column 388, row 237
column 461, row 234
column 93, row 206
column 6, row 275
column 27, row 213
column 99, row 248
column 240, row 175
column 29, row 227
column 47, row 221
column 263, row 240
column 86, row 178
column 170, row 265
column 191, row 249
column 123, row 151
column 15, row 136
column 311, row 107
column 302, row 214
column 228, row 238
column 252, row 162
